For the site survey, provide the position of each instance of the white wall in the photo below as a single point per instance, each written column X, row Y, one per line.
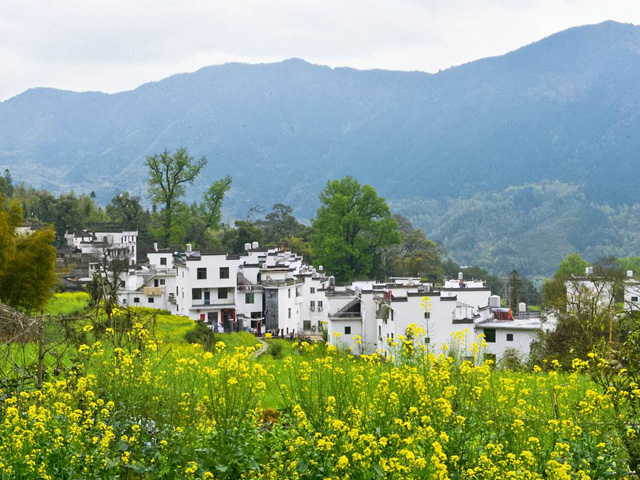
column 521, row 341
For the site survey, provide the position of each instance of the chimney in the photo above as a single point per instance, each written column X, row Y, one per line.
column 188, row 248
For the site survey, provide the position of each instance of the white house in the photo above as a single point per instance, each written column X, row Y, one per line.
column 206, row 288
column 347, row 321
column 503, row 332
column 589, row 293
column 112, row 245
column 631, row 293
column 151, row 285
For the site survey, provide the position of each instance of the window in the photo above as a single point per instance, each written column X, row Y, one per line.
column 163, row 261
column 634, row 299
column 427, row 340
column 202, row 274
column 196, row 294
column 224, row 272
column 319, row 304
column 490, row 335
column 136, row 299
column 312, row 305
column 306, row 325
column 124, row 301
column 156, row 282
column 313, row 289
column 212, row 317
column 223, row 293
column 151, row 300
column 121, row 283
column 289, row 312
column 289, row 292
column 162, row 281
column 427, row 315
column 509, row 337
column 249, row 297
column 347, row 330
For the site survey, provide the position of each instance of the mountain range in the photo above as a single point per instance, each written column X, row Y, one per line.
column 447, row 149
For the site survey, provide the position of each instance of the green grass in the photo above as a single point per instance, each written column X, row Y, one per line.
column 67, row 303
column 279, row 348
column 240, row 339
column 172, row 329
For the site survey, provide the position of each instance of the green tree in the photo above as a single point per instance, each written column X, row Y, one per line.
column 8, row 224
column 572, row 265
column 245, row 232
column 554, row 293
column 6, row 184
column 127, row 211
column 211, row 205
column 280, row 225
column 27, row 264
column 168, row 176
column 352, row 225
column 414, row 256
column 514, row 292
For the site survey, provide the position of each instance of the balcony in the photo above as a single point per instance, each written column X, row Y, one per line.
column 280, row 283
column 346, row 315
column 231, row 300
column 153, row 291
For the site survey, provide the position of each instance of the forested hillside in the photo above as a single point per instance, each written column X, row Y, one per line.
column 529, row 228
column 463, row 141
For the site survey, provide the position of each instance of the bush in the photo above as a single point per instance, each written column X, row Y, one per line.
column 511, row 360
column 275, row 349
column 202, row 335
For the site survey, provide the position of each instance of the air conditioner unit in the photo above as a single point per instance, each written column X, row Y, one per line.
column 319, row 308
column 312, row 308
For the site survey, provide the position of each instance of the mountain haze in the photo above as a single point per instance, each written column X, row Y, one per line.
column 565, row 109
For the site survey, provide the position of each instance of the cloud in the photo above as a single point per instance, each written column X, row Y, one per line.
column 116, row 44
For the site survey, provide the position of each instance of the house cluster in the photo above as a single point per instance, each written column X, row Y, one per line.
column 262, row 290
column 593, row 293
column 377, row 315
column 272, row 290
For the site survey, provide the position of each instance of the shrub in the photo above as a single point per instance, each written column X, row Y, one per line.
column 202, row 335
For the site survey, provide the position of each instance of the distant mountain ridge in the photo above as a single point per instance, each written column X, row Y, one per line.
column 566, row 108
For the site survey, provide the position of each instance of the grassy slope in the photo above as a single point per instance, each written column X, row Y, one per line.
column 68, row 303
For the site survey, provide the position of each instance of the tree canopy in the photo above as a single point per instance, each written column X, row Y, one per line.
column 27, row 263
column 351, row 226
column 168, row 175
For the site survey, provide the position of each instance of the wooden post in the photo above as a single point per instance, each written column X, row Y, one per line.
column 41, row 352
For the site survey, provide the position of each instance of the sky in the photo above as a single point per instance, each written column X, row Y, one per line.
column 116, row 45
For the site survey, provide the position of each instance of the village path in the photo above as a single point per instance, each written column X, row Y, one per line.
column 262, row 349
